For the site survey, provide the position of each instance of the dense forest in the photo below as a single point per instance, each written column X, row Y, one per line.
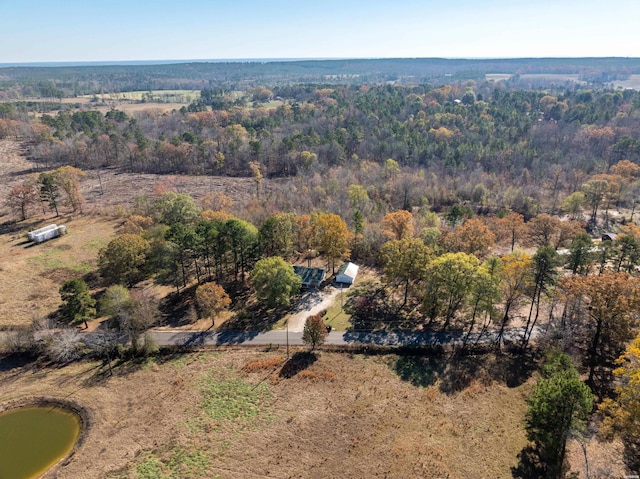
column 72, row 80
column 479, row 204
column 483, row 145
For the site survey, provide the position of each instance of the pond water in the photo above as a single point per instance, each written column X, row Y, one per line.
column 32, row 439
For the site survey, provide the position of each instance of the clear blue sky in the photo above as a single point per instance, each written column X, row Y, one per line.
column 108, row 30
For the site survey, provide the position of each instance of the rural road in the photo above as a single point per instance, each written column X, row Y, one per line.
column 338, row 338
column 294, row 338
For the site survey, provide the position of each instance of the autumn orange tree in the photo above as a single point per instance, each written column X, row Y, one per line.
column 472, row 237
column 543, row 230
column 216, row 201
column 509, row 229
column 22, row 198
column 605, row 309
column 398, row 225
column 212, row 300
column 332, row 237
column 314, row 332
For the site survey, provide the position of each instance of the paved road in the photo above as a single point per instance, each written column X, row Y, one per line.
column 282, row 337
column 279, row 337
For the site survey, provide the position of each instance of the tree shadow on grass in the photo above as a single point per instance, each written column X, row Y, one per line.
column 419, row 371
column 513, row 369
column 459, row 373
column 529, row 466
column 456, row 373
column 14, row 365
column 255, row 318
column 14, row 361
column 298, row 362
column 176, row 308
column 113, row 366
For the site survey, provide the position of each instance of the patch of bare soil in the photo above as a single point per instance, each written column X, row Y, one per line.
column 233, row 415
column 120, row 189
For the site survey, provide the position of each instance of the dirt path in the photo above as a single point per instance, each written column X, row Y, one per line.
column 311, row 303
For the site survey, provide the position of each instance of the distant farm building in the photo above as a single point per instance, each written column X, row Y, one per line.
column 347, row 273
column 48, row 232
column 609, row 237
column 311, row 277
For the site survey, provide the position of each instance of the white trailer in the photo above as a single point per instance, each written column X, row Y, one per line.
column 32, row 234
column 49, row 234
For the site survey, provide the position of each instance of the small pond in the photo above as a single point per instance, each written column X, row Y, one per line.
column 32, row 439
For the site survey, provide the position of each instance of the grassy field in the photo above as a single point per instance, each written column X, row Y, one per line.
column 154, row 96
column 31, row 275
column 632, row 82
column 336, row 317
column 548, row 77
column 244, row 414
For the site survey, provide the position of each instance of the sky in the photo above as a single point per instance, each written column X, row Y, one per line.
column 134, row 30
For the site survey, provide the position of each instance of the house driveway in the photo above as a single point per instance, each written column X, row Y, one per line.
column 311, row 302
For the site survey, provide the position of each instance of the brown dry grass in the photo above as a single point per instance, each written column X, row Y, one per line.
column 345, row 417
column 128, row 106
column 31, row 275
column 119, row 189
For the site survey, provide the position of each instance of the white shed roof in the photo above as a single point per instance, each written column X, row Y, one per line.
column 349, row 270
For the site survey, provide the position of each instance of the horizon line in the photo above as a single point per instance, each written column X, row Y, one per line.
column 284, row 59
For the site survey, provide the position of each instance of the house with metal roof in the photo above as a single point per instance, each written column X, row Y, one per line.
column 311, row 277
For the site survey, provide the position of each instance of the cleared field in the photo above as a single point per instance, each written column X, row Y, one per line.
column 632, row 82
column 245, row 415
column 31, row 275
column 498, row 76
column 551, row 77
column 546, row 77
column 153, row 96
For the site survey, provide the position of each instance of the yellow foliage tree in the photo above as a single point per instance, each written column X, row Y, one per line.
column 516, row 275
column 623, row 411
column 68, row 179
column 332, row 237
column 212, row 300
